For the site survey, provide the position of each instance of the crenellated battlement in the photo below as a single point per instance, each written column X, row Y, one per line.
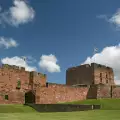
column 13, row 67
column 34, row 73
column 96, row 66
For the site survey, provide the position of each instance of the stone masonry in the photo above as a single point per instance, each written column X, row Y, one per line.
column 90, row 75
column 94, row 81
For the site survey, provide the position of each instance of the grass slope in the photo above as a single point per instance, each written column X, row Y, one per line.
column 15, row 109
column 106, row 104
column 83, row 115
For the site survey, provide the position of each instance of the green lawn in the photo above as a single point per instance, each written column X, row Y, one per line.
column 82, row 115
column 110, row 111
column 106, row 104
column 15, row 109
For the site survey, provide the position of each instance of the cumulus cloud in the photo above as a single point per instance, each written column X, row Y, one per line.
column 109, row 56
column 18, row 61
column 20, row 13
column 7, row 42
column 49, row 63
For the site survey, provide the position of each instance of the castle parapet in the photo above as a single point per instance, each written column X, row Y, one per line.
column 14, row 67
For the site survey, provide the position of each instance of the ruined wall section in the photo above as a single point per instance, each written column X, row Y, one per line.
column 79, row 75
column 101, row 91
column 10, row 75
column 104, row 91
column 37, row 80
column 102, row 74
column 13, row 80
column 115, row 91
column 60, row 93
column 92, row 92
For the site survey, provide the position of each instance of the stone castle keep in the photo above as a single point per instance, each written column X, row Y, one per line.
column 92, row 81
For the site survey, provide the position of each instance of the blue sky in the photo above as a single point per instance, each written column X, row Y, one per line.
column 67, row 29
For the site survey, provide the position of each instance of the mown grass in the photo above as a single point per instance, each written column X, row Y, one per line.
column 21, row 112
column 82, row 115
column 106, row 104
column 15, row 109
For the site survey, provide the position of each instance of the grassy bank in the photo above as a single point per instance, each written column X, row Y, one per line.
column 106, row 104
column 15, row 109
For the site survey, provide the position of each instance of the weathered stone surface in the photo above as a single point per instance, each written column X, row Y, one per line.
column 90, row 75
column 9, row 77
column 16, row 85
column 60, row 93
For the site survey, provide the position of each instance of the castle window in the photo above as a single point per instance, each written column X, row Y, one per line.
column 46, row 84
column 100, row 80
column 106, row 81
column 6, row 97
column 18, row 84
column 106, row 75
column 100, row 75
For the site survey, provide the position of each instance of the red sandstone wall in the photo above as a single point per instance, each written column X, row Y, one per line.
column 92, row 92
column 60, row 93
column 9, row 77
column 102, row 74
column 103, row 91
column 116, row 91
column 39, row 80
column 106, row 77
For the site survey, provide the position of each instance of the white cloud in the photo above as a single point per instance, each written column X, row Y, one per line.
column 115, row 19
column 109, row 56
column 117, row 82
column 18, row 61
column 48, row 63
column 7, row 42
column 20, row 13
column 102, row 17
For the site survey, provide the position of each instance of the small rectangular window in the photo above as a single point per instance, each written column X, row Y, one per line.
column 106, row 81
column 46, row 84
column 18, row 84
column 106, row 75
column 100, row 74
column 100, row 80
column 6, row 97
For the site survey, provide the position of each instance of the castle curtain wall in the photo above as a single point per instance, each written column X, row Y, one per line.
column 55, row 93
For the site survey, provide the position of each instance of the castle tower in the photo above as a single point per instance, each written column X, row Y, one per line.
column 90, row 74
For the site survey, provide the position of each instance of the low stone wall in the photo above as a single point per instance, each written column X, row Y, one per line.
column 62, row 107
column 56, row 93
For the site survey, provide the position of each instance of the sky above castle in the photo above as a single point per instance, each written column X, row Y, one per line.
column 52, row 35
